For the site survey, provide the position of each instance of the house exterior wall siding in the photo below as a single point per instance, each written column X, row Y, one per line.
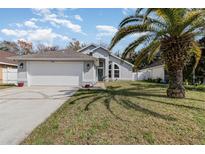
column 89, row 72
column 125, row 69
column 1, row 73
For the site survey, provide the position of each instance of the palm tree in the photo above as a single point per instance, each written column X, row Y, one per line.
column 170, row 32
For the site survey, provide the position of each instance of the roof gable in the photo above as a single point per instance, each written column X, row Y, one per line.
column 100, row 47
column 108, row 51
column 89, row 47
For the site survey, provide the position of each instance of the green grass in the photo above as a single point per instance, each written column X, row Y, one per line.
column 196, row 87
column 3, row 86
column 125, row 113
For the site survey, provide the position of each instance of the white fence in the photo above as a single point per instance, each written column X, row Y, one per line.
column 10, row 75
column 150, row 73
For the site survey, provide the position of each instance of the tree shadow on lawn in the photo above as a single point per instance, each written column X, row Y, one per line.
column 149, row 85
column 106, row 97
column 155, row 92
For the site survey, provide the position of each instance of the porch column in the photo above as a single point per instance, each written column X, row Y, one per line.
column 106, row 69
column 112, row 70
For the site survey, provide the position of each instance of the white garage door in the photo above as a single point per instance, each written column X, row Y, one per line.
column 55, row 73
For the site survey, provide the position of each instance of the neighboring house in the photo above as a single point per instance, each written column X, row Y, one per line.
column 154, row 71
column 66, row 67
column 8, row 68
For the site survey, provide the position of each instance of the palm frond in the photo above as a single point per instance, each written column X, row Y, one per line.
column 129, row 19
column 134, row 44
column 138, row 11
column 153, row 53
column 167, row 14
column 139, row 19
column 125, row 31
column 197, row 51
column 189, row 19
column 198, row 24
column 147, row 12
column 152, row 46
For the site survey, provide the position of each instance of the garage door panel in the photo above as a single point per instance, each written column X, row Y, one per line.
column 55, row 73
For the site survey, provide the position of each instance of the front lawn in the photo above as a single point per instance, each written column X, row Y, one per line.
column 125, row 113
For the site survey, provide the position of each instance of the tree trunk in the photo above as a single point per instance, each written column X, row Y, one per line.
column 176, row 53
column 176, row 88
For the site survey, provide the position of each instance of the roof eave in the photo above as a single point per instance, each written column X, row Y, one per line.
column 8, row 64
column 54, row 59
column 122, row 60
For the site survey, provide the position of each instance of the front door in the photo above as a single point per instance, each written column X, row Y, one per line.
column 100, row 74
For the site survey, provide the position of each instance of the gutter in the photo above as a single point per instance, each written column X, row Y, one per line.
column 8, row 64
column 54, row 59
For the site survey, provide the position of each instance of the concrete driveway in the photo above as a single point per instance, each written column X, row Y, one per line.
column 23, row 109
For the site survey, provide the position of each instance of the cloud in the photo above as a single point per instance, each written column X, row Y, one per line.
column 105, row 30
column 34, row 19
column 18, row 25
column 16, row 33
column 54, row 19
column 30, row 24
column 128, row 11
column 45, row 35
column 78, row 17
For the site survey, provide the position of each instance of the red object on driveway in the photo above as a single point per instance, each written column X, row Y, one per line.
column 20, row 84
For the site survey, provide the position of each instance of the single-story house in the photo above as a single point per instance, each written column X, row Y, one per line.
column 66, row 67
column 8, row 68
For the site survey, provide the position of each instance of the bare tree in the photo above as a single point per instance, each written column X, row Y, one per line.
column 9, row 46
column 25, row 47
column 75, row 45
column 43, row 48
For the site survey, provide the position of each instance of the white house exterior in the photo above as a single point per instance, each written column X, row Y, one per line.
column 70, row 68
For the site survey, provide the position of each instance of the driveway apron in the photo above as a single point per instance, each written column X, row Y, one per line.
column 23, row 109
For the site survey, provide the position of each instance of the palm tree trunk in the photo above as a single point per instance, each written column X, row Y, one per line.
column 176, row 88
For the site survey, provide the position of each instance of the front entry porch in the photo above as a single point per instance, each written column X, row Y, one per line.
column 101, row 70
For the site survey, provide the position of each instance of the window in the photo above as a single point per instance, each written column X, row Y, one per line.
column 88, row 66
column 110, row 71
column 116, row 71
column 101, row 64
column 116, row 67
column 110, row 66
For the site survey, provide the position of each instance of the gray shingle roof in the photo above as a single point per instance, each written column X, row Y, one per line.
column 63, row 55
column 153, row 64
column 4, row 57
